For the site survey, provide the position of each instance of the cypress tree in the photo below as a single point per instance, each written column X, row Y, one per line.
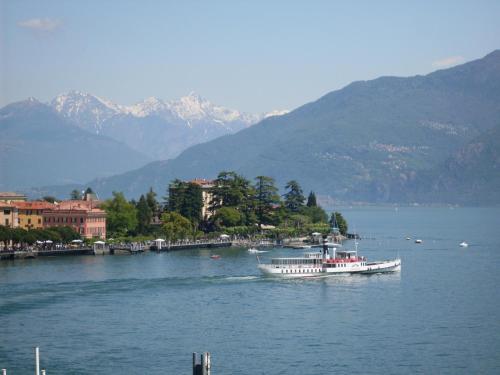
column 311, row 200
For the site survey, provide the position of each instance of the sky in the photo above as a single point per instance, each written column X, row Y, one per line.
column 254, row 56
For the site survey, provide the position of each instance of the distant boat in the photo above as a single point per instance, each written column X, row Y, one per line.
column 408, row 238
column 463, row 244
column 215, row 256
column 418, row 241
column 253, row 250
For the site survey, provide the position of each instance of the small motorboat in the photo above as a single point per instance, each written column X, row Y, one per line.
column 408, row 238
column 418, row 241
column 215, row 256
column 463, row 244
column 253, row 250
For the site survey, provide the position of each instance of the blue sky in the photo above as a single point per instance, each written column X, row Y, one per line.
column 254, row 56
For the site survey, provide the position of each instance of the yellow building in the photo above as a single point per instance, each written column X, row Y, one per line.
column 30, row 214
column 8, row 215
column 206, row 195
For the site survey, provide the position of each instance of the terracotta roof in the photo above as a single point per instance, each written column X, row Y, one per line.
column 34, row 205
column 202, row 181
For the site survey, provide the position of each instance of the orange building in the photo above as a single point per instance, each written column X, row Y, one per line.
column 30, row 214
column 82, row 216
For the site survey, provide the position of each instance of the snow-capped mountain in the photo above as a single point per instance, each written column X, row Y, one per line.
column 87, row 111
column 162, row 128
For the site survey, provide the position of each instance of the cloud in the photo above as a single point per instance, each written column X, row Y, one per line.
column 447, row 61
column 40, row 24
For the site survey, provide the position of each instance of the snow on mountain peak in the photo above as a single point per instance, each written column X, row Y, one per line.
column 147, row 107
column 90, row 112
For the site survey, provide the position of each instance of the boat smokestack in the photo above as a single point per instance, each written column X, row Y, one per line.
column 325, row 247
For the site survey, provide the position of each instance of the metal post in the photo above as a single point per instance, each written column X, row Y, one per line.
column 205, row 363
column 208, row 361
column 43, row 372
column 194, row 362
column 37, row 360
column 4, row 371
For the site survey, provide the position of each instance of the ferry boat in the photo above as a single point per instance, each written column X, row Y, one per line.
column 323, row 263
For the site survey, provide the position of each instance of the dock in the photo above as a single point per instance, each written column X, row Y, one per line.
column 192, row 245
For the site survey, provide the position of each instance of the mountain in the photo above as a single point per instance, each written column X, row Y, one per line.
column 39, row 147
column 470, row 176
column 161, row 129
column 384, row 140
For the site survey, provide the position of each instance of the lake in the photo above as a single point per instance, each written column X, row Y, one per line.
column 147, row 313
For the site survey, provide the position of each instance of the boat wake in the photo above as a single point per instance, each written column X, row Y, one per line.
column 242, row 278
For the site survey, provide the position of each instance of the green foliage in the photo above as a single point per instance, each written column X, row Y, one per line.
column 311, row 200
column 294, row 198
column 266, row 196
column 227, row 217
column 315, row 213
column 121, row 215
column 186, row 199
column 175, row 226
column 230, row 189
column 144, row 215
column 338, row 221
column 50, row 199
column 64, row 234
column 89, row 191
column 75, row 195
column 153, row 204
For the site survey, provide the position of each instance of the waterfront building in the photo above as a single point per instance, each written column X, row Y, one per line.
column 206, row 195
column 9, row 197
column 8, row 215
column 30, row 214
column 82, row 216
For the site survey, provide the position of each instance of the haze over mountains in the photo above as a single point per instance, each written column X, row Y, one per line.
column 37, row 146
column 78, row 136
column 427, row 139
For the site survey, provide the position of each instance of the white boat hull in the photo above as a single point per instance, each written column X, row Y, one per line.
column 291, row 271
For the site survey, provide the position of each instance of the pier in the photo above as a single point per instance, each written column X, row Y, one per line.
column 161, row 245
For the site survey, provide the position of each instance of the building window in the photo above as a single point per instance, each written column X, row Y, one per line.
column 29, row 221
column 6, row 212
column 6, row 222
column 39, row 221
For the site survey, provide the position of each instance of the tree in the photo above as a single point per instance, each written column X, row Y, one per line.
column 18, row 235
column 316, row 214
column 294, row 198
column 186, row 199
column 230, row 189
column 266, row 197
column 5, row 235
column 228, row 217
column 175, row 226
column 144, row 215
column 121, row 215
column 311, row 200
column 65, row 233
column 338, row 221
column 153, row 204
column 89, row 191
column 75, row 195
column 49, row 198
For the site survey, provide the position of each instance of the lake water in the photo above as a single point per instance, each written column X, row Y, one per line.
column 146, row 314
